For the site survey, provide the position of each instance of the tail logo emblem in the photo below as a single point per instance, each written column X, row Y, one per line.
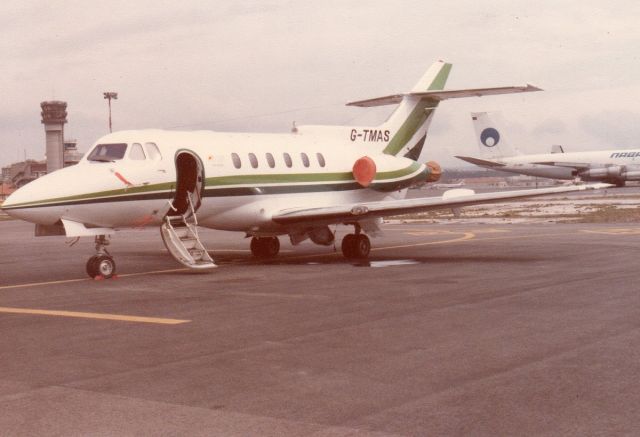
column 490, row 137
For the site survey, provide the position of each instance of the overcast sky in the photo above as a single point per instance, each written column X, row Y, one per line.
column 257, row 66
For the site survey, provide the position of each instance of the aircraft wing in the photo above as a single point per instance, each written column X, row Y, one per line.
column 481, row 162
column 445, row 94
column 450, row 199
column 576, row 165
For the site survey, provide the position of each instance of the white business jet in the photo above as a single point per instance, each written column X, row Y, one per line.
column 497, row 153
column 264, row 185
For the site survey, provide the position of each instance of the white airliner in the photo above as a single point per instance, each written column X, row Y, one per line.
column 264, row 185
column 611, row 166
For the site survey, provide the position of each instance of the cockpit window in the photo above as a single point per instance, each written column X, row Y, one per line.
column 152, row 151
column 108, row 152
column 136, row 153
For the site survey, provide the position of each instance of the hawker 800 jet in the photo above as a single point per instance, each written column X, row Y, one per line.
column 497, row 153
column 263, row 185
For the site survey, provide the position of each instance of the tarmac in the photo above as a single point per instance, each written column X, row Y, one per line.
column 448, row 329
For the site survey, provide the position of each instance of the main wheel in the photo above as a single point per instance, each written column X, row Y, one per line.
column 265, row 247
column 271, row 246
column 362, row 246
column 348, row 245
column 105, row 266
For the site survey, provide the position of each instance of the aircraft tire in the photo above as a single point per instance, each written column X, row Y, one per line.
column 271, row 246
column 361, row 246
column 92, row 269
column 265, row 247
column 105, row 266
column 348, row 246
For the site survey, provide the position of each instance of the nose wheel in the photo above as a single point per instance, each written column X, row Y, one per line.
column 101, row 264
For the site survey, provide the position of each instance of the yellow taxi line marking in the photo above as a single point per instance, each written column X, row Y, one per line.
column 69, row 281
column 278, row 295
column 518, row 237
column 153, row 272
column 101, row 316
column 466, row 236
column 36, row 284
column 612, row 231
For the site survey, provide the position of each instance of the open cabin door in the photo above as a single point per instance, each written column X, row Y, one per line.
column 189, row 184
column 180, row 228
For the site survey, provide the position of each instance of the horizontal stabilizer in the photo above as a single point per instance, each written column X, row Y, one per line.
column 445, row 94
column 481, row 162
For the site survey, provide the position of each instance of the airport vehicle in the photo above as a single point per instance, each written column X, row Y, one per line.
column 497, row 153
column 450, row 185
column 264, row 185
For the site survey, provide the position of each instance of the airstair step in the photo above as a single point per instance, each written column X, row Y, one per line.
column 180, row 237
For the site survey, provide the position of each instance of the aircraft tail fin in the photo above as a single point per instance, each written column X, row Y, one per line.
column 409, row 123
column 490, row 136
column 405, row 131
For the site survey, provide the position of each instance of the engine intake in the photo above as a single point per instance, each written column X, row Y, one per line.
column 364, row 171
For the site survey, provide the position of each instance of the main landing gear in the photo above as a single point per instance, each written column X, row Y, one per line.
column 101, row 264
column 356, row 246
column 265, row 247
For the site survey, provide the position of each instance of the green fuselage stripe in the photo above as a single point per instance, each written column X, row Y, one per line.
column 239, row 185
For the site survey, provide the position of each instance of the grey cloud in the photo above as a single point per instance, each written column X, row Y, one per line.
column 259, row 65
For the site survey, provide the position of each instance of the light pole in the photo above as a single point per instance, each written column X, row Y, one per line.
column 110, row 95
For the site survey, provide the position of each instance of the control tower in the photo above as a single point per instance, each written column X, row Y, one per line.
column 54, row 116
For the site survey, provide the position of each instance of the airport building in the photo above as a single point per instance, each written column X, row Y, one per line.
column 59, row 152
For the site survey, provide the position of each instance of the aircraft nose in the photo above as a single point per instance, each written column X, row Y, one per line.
column 25, row 202
column 11, row 201
column 15, row 205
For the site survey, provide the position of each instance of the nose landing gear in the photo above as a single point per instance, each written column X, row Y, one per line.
column 101, row 264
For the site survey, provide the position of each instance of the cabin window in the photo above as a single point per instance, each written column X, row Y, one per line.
column 270, row 160
column 321, row 160
column 152, row 151
column 108, row 152
column 237, row 163
column 136, row 153
column 287, row 159
column 253, row 160
column 305, row 159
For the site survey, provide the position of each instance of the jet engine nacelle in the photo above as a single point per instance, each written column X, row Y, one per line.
column 632, row 175
column 364, row 171
column 614, row 171
column 435, row 171
column 322, row 236
column 366, row 168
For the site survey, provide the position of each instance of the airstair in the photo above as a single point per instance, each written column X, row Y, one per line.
column 180, row 237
